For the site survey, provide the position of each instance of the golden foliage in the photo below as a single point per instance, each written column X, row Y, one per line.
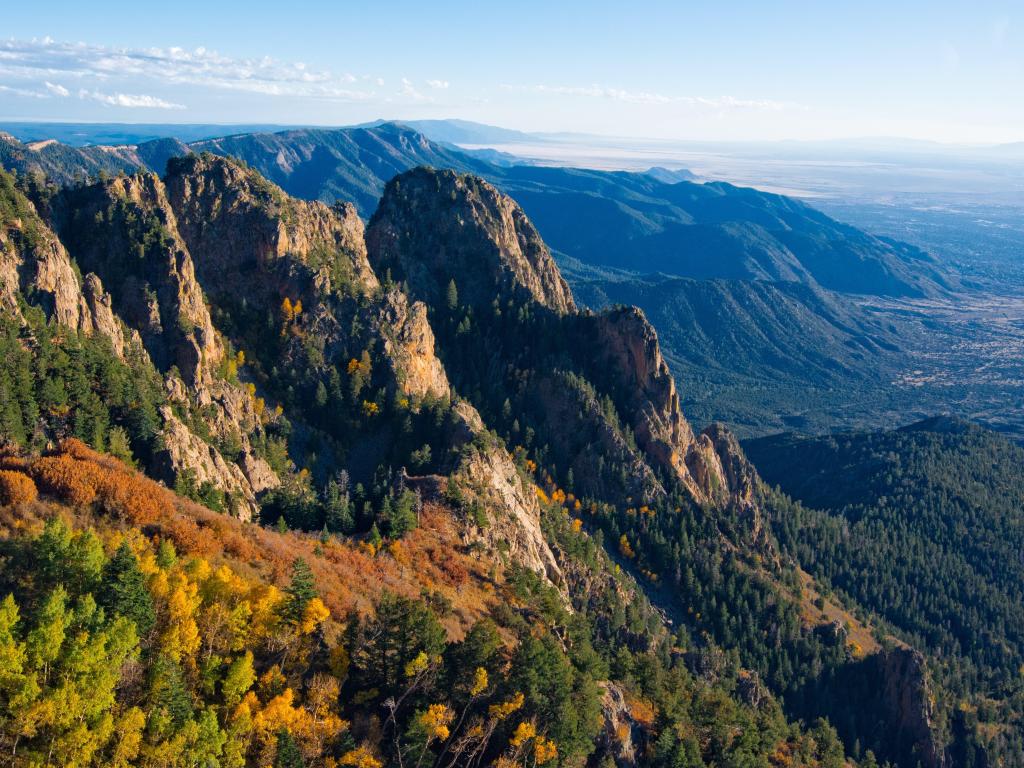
column 624, row 547
column 360, row 757
column 16, row 488
column 544, row 750
column 418, row 665
column 503, row 709
column 523, row 733
column 480, row 682
column 314, row 614
column 435, row 721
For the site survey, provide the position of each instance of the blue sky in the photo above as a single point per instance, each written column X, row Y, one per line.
column 683, row 70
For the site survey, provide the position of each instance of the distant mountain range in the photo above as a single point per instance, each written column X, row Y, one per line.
column 744, row 286
column 630, row 221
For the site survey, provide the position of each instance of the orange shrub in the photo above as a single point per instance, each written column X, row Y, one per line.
column 71, row 480
column 81, row 476
column 16, row 488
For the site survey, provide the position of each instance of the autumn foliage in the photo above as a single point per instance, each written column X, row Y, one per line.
column 16, row 488
column 82, row 477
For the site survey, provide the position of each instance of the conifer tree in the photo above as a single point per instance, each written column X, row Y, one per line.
column 300, row 591
column 124, row 590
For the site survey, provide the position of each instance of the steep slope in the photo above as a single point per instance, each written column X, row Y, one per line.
column 923, row 526
column 759, row 355
column 140, row 629
column 200, row 265
column 469, row 251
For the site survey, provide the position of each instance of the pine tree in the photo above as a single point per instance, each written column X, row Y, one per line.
column 452, row 296
column 124, row 590
column 300, row 591
column 338, row 508
column 400, row 514
column 288, row 755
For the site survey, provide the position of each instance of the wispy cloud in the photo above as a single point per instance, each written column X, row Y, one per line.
column 648, row 97
column 409, row 91
column 439, row 84
column 130, row 100
column 57, row 89
column 38, row 61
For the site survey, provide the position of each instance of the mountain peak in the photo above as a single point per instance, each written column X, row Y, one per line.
column 435, row 227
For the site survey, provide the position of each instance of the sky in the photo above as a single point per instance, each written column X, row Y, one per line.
column 942, row 71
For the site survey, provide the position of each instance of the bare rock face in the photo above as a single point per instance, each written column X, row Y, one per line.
column 436, row 226
column 621, row 736
column 186, row 451
column 907, row 700
column 488, row 477
column 409, row 347
column 712, row 465
column 124, row 230
column 38, row 262
column 243, row 230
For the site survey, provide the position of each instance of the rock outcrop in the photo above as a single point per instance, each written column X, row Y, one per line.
column 488, row 477
column 408, row 343
column 32, row 259
column 907, row 701
column 435, row 228
column 478, row 237
column 622, row 737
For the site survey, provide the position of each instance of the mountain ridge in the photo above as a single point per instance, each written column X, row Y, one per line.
column 269, row 329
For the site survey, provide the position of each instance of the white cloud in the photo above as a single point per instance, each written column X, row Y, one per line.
column 648, row 97
column 409, row 91
column 26, row 92
column 132, row 101
column 440, row 84
column 38, row 61
column 57, row 89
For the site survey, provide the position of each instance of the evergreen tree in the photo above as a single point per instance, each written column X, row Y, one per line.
column 300, row 591
column 124, row 590
column 337, row 508
column 288, row 754
column 452, row 296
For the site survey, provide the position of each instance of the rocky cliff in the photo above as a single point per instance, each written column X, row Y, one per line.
column 479, row 238
column 467, row 250
column 201, row 263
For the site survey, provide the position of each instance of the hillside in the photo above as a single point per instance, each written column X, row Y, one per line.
column 226, row 648
column 923, row 526
column 760, row 355
column 141, row 629
column 269, row 359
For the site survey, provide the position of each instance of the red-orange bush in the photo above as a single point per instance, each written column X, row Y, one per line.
column 16, row 488
column 81, row 476
column 71, row 480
